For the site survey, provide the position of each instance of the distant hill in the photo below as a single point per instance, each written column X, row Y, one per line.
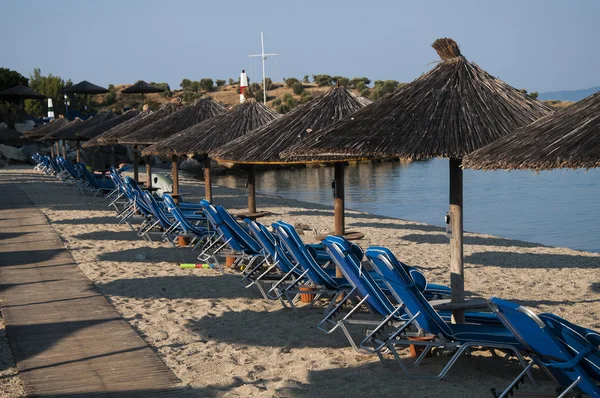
column 570, row 95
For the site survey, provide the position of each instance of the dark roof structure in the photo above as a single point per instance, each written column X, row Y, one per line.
column 264, row 144
column 210, row 134
column 570, row 138
column 202, row 109
column 141, row 87
column 144, row 119
column 85, row 87
column 450, row 111
column 21, row 92
column 100, row 128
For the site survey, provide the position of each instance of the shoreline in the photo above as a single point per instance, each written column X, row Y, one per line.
column 222, row 340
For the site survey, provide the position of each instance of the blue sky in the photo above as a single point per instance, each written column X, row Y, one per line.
column 540, row 45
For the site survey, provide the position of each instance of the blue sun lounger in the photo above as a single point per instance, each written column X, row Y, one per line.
column 567, row 353
column 230, row 238
column 428, row 322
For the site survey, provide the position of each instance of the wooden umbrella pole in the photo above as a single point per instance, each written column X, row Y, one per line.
column 207, row 180
column 457, row 281
column 175, row 176
column 136, row 172
column 52, row 150
column 251, row 189
column 148, row 171
column 57, row 148
column 78, row 151
column 338, row 202
column 64, row 149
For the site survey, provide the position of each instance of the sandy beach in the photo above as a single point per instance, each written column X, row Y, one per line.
column 224, row 340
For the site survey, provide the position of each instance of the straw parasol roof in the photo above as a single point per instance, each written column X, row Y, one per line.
column 452, row 110
column 69, row 132
column 144, row 119
column 202, row 109
column 21, row 92
column 570, row 138
column 264, row 144
column 85, row 87
column 141, row 87
column 210, row 134
column 99, row 128
column 47, row 128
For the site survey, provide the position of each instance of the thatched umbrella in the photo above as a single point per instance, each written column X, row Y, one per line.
column 449, row 112
column 20, row 93
column 70, row 131
column 570, row 138
column 97, row 129
column 112, row 136
column 141, row 87
column 202, row 109
column 263, row 145
column 86, row 88
column 47, row 128
column 204, row 137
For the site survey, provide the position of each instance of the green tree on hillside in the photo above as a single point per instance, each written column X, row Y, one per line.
column 220, row 82
column 322, row 80
column 290, row 82
column 10, row 78
column 185, row 84
column 207, row 84
column 51, row 86
column 165, row 86
column 305, row 79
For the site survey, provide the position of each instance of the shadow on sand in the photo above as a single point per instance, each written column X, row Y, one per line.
column 532, row 260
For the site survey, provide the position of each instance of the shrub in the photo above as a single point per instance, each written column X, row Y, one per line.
column 366, row 93
column 194, row 86
column 220, row 82
column 283, row 108
column 354, row 81
column 232, row 82
column 344, row 82
column 322, row 80
column 377, row 93
column 305, row 79
column 287, row 96
column 269, row 84
column 207, row 84
column 188, row 96
column 259, row 95
column 276, row 102
column 297, row 88
column 110, row 98
column 306, row 96
column 291, row 81
column 185, row 84
column 360, row 86
column 255, row 87
column 291, row 102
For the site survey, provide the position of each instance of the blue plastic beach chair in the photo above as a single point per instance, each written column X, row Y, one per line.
column 568, row 354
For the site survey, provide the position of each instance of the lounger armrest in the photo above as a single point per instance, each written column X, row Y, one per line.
column 446, row 305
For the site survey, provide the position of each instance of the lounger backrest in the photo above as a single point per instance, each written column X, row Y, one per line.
column 405, row 290
column 416, row 275
column 251, row 246
column 548, row 343
column 296, row 248
column 177, row 214
column 215, row 220
column 257, row 233
column 345, row 258
column 576, row 338
column 156, row 210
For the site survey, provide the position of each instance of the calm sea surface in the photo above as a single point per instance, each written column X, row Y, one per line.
column 557, row 208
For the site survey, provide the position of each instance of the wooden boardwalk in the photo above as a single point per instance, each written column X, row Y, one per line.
column 66, row 338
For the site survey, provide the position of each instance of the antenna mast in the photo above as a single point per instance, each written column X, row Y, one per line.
column 264, row 58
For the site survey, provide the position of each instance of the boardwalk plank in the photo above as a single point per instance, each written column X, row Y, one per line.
column 66, row 338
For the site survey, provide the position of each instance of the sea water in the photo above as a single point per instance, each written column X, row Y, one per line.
column 556, row 208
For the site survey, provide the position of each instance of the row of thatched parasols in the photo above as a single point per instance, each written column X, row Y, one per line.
column 456, row 111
